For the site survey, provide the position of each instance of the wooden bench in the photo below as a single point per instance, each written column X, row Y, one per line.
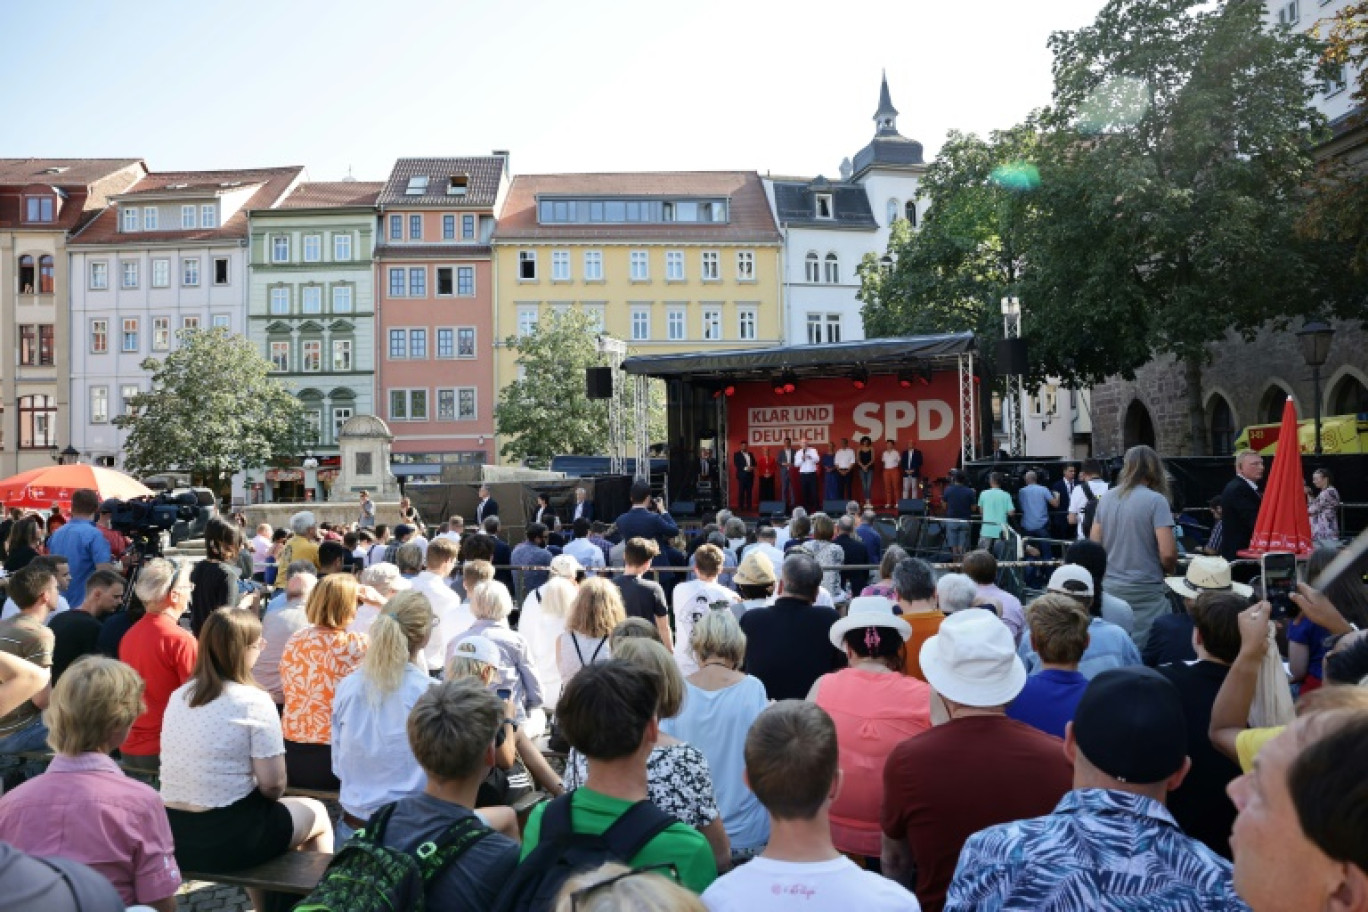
column 317, row 794
column 293, row 873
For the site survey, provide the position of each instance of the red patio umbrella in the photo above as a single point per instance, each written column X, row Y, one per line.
column 1283, row 524
column 41, row 488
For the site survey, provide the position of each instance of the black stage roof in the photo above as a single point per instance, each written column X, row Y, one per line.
column 877, row 355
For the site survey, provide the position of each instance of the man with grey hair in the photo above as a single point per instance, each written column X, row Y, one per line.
column 870, row 536
column 956, row 592
column 409, row 559
column 786, row 531
column 303, row 543
column 279, row 624
column 161, row 651
column 787, row 644
column 765, row 538
column 584, row 507
column 914, row 586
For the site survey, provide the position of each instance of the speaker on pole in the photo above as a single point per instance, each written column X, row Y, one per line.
column 1011, row 357
column 598, row 382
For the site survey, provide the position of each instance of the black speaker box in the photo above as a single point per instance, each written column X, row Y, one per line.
column 770, row 507
column 1011, row 357
column 834, row 508
column 598, row 382
column 683, row 508
column 911, row 505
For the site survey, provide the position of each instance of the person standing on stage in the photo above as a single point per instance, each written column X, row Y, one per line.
column 864, row 458
column 765, row 469
column 745, row 475
column 845, row 469
column 808, row 460
column 831, row 488
column 911, row 470
column 892, row 474
column 788, row 459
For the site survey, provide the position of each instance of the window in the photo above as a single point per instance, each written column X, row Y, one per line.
column 38, row 209
column 26, row 274
column 187, row 217
column 130, row 218
column 712, row 324
column 446, row 405
column 527, row 320
column 593, row 265
column 640, row 265
column 99, row 404
column 190, row 272
column 190, row 323
column 341, row 415
column 1335, row 82
column 99, row 337
column 833, row 269
column 824, row 210
column 458, row 185
column 208, row 216
column 161, row 273
column 823, row 329
column 311, row 299
column 910, row 212
column 674, row 265
column 812, row 268
column 446, row 284
column 128, row 270
column 465, row 281
column 468, row 227
column 456, row 404
column 711, row 268
column 396, row 282
column 37, row 422
column 527, row 265
column 641, row 324
column 893, row 211
column 161, row 333
column 342, row 299
column 674, row 324
column 220, row 270
column 99, row 276
column 417, row 344
column 398, row 344
column 313, row 248
column 560, row 266
column 415, row 227
column 745, row 324
column 46, row 274
column 396, row 231
column 313, row 424
column 127, row 394
column 745, row 266
column 448, row 227
column 280, row 248
column 46, row 343
column 417, row 185
column 1289, row 13
column 417, row 282
column 130, row 335
column 150, row 218
column 446, row 343
column 465, row 342
column 311, row 351
column 280, row 301
column 886, row 263
column 28, row 345
column 417, row 405
column 342, row 247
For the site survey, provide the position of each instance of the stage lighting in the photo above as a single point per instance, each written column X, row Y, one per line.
column 860, row 379
column 790, row 387
column 729, row 390
column 905, row 380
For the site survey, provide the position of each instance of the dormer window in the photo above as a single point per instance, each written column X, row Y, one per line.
column 824, row 207
column 39, row 208
column 130, row 218
column 417, row 185
column 459, row 185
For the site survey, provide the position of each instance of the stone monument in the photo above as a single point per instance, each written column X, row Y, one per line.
column 364, row 462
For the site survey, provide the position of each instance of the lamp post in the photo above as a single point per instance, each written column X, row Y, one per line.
column 1315, row 338
column 1016, row 426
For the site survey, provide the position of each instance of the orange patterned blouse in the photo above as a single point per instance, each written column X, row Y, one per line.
column 315, row 659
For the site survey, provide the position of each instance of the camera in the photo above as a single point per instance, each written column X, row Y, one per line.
column 151, row 515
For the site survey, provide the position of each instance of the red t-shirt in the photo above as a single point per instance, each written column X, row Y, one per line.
column 163, row 653
column 944, row 785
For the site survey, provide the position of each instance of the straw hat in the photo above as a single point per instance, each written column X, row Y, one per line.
column 1207, row 574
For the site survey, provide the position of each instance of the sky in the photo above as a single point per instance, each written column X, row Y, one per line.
column 577, row 85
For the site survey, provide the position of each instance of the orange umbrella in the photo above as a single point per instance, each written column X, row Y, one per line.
column 43, row 487
column 1283, row 524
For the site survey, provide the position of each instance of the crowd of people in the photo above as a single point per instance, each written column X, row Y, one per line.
column 800, row 714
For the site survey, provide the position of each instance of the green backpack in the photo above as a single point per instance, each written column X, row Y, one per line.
column 367, row 876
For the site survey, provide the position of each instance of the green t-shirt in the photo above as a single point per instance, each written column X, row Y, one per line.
column 995, row 504
column 683, row 846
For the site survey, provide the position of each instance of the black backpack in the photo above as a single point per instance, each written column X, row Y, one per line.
column 1090, row 510
column 562, row 853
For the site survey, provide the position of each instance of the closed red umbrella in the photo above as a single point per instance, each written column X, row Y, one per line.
column 1283, row 524
column 41, row 488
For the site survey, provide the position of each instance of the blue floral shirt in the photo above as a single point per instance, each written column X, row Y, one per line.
column 1100, row 851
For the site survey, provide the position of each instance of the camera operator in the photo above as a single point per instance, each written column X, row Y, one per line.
column 648, row 517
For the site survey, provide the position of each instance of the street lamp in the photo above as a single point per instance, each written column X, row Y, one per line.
column 1315, row 338
column 68, row 456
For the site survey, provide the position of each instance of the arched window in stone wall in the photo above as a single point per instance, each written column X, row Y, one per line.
column 1221, row 424
column 1139, row 427
column 1271, row 404
column 1349, row 396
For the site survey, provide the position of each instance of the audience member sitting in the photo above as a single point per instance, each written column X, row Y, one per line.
column 988, row 768
column 542, row 622
column 1170, row 637
column 224, row 773
column 215, row 579
column 77, row 632
column 612, row 887
column 278, row 625
column 720, row 703
column 642, row 597
column 26, row 636
column 1128, row 746
column 755, row 582
column 875, row 707
column 371, row 709
column 160, row 651
column 84, row 807
column 695, row 598
column 1108, row 645
column 822, row 546
column 957, row 592
column 453, row 617
column 1092, row 557
column 981, row 567
column 387, row 581
column 793, row 765
column 788, row 644
column 1059, row 637
column 315, row 659
column 597, row 609
column 491, row 605
column 679, row 780
column 914, row 590
column 608, row 713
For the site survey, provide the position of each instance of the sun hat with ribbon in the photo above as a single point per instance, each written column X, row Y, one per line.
column 868, row 611
column 1206, row 574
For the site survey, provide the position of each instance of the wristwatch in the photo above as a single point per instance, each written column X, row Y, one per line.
column 512, row 722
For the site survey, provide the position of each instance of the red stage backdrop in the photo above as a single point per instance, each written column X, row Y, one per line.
column 829, row 409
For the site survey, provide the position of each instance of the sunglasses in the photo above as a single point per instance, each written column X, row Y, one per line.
column 581, row 897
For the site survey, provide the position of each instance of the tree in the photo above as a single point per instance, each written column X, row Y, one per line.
column 546, row 412
column 213, row 410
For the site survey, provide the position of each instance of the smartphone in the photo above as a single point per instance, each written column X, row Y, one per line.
column 504, row 693
column 1279, row 569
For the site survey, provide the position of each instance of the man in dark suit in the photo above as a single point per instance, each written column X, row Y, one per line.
column 788, row 458
column 503, row 553
column 911, row 467
column 745, row 475
column 1240, row 503
column 487, row 506
column 543, row 512
column 1063, row 489
column 647, row 518
column 584, row 508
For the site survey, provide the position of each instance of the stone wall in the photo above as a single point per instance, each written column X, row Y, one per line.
column 278, row 515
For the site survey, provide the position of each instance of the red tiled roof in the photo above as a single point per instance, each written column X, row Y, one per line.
column 271, row 184
column 750, row 216
column 484, row 171
column 85, row 184
column 74, row 171
column 333, row 195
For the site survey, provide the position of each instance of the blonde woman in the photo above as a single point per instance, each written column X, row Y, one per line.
column 491, row 605
column 315, row 659
column 370, row 751
column 84, row 807
column 543, row 621
column 678, row 778
column 597, row 609
column 617, row 888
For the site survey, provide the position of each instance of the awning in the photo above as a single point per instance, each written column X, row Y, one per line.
column 877, row 355
column 409, row 470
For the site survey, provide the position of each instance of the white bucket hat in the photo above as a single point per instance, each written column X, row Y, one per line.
column 1207, row 574
column 868, row 611
column 972, row 660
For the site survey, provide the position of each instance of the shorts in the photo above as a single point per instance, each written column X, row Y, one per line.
column 245, row 833
column 956, row 534
column 309, row 766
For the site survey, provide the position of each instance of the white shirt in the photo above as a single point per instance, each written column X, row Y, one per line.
column 845, row 458
column 370, row 746
column 365, row 616
column 1078, row 501
column 277, row 626
column 451, row 536
column 586, row 552
column 693, row 600
column 541, row 631
column 774, row 554
column 261, row 549
column 11, row 609
column 836, row 885
column 207, row 751
column 891, row 459
column 811, row 459
column 453, row 616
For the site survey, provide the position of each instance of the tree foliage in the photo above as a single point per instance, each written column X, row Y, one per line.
column 546, row 411
column 213, row 409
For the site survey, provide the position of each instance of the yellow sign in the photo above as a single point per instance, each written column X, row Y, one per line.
column 1339, row 434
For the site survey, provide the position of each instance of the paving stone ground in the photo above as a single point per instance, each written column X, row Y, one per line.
column 206, row 897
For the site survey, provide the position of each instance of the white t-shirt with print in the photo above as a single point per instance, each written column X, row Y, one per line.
column 837, row 885
column 693, row 600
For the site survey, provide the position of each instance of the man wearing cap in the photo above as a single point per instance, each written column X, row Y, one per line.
column 978, row 769
column 641, row 597
column 1170, row 638
column 1110, row 844
column 303, row 543
column 1108, row 645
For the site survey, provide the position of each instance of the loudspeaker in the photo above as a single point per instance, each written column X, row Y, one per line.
column 834, row 508
column 770, row 507
column 598, row 382
column 683, row 508
column 911, row 505
column 1011, row 357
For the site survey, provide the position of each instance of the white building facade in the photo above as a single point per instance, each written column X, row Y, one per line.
column 1334, row 95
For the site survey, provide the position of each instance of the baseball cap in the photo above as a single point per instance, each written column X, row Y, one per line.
column 1130, row 725
column 1071, row 579
column 478, row 648
column 404, row 529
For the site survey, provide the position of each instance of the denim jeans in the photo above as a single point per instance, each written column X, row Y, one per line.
column 32, row 737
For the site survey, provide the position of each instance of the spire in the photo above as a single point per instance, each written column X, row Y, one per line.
column 886, row 118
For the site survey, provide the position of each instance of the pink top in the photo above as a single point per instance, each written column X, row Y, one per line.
column 874, row 712
column 85, row 808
